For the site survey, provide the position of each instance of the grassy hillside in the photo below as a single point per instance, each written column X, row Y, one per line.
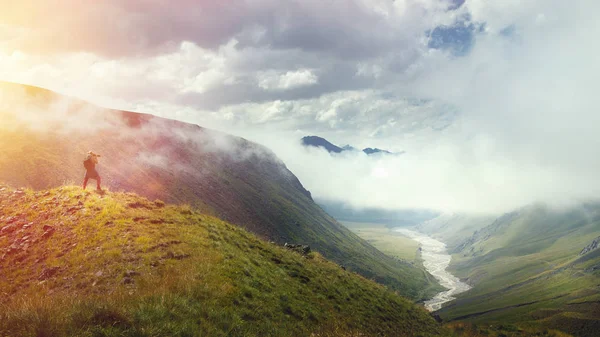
column 454, row 229
column 77, row 263
column 44, row 138
column 386, row 240
column 526, row 268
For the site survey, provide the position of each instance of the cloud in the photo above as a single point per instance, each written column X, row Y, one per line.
column 516, row 114
column 288, row 80
column 152, row 142
column 41, row 110
column 131, row 28
column 211, row 54
column 494, row 102
column 121, row 28
column 361, row 117
column 528, row 127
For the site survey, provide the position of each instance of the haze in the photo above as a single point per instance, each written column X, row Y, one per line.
column 494, row 103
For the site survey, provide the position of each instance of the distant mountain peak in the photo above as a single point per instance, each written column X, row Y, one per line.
column 316, row 141
column 370, row 150
column 321, row 142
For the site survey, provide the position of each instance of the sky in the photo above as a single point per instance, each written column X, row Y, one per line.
column 494, row 102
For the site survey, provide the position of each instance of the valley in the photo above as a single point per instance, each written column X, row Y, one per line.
column 419, row 249
column 529, row 267
column 347, row 168
column 383, row 238
column 528, row 270
column 436, row 260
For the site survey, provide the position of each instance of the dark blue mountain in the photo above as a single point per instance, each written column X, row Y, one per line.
column 316, row 141
column 370, row 150
column 321, row 142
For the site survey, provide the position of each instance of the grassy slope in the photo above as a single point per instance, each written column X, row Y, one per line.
column 454, row 229
column 384, row 239
column 526, row 269
column 229, row 177
column 120, row 265
column 399, row 247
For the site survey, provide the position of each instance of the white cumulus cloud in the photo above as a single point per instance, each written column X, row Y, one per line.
column 287, row 80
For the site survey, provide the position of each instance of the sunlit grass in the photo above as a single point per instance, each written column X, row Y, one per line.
column 253, row 193
column 120, row 265
column 384, row 239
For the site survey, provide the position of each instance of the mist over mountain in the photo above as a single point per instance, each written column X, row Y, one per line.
column 320, row 142
column 45, row 136
column 474, row 122
column 323, row 143
column 391, row 218
column 493, row 102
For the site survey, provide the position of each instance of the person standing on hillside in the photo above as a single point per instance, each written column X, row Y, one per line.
column 90, row 169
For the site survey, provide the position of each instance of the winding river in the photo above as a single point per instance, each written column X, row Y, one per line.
column 436, row 260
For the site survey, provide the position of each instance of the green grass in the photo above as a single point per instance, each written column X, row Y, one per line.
column 526, row 271
column 221, row 175
column 466, row 329
column 116, row 264
column 384, row 239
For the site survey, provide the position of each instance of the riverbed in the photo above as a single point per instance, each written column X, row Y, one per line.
column 436, row 259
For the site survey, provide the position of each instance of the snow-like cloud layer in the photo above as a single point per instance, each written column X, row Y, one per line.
column 494, row 102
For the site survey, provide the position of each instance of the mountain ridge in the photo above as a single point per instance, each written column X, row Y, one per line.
column 46, row 135
column 319, row 142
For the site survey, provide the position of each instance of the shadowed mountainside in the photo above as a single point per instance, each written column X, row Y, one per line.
column 44, row 137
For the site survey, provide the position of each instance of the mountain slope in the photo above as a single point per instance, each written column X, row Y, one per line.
column 322, row 142
column 527, row 266
column 370, row 150
column 76, row 263
column 454, row 229
column 44, row 137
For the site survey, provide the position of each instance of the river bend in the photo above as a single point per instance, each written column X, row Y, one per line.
column 436, row 259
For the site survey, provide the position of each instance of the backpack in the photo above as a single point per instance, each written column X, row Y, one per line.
column 88, row 163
